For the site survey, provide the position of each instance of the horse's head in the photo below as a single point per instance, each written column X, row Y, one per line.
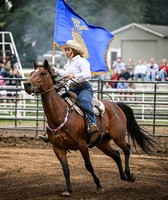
column 40, row 79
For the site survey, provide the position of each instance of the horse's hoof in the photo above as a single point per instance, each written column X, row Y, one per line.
column 66, row 193
column 100, row 190
column 124, row 177
column 131, row 177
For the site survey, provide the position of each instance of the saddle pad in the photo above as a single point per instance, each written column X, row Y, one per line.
column 95, row 103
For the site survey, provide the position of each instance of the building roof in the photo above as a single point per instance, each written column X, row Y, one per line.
column 158, row 30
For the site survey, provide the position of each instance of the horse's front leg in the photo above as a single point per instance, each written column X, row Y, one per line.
column 61, row 155
column 85, row 154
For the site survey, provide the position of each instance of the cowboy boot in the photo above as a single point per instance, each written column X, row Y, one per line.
column 92, row 129
column 44, row 138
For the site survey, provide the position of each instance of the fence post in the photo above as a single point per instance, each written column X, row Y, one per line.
column 101, row 89
column 143, row 104
column 99, row 84
column 154, row 108
column 37, row 116
column 16, row 106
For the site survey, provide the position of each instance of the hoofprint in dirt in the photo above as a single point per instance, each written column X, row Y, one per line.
column 29, row 172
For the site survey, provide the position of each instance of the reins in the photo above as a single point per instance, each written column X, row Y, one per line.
column 67, row 113
column 33, row 94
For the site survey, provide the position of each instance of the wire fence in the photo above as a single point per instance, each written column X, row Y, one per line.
column 149, row 101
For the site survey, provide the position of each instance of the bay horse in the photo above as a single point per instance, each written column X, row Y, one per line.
column 67, row 130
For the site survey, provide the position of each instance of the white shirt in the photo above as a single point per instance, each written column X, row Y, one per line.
column 140, row 69
column 119, row 66
column 78, row 66
column 154, row 68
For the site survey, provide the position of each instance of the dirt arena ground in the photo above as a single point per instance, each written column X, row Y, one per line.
column 29, row 172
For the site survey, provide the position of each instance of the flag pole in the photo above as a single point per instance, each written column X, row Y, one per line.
column 54, row 55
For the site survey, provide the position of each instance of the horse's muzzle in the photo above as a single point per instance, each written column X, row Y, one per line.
column 29, row 88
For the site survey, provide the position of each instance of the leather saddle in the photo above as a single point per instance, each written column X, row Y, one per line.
column 71, row 97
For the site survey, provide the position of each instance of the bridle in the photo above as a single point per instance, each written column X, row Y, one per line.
column 40, row 93
column 39, row 84
column 50, row 89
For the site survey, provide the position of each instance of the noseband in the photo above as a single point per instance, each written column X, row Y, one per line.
column 47, row 90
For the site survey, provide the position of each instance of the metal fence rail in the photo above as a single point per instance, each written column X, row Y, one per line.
column 149, row 102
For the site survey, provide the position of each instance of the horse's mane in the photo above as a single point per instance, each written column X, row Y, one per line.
column 59, row 81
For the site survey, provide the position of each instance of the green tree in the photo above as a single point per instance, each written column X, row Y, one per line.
column 156, row 12
column 88, row 9
column 18, row 4
column 110, row 14
column 32, row 24
column 4, row 11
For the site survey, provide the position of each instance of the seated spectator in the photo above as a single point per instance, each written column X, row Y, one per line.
column 14, row 73
column 6, row 65
column 3, row 71
column 125, row 74
column 114, row 77
column 163, row 71
column 131, row 88
column 130, row 67
column 105, row 76
column 2, row 83
column 13, row 60
column 140, row 71
column 121, row 87
column 118, row 65
column 151, row 70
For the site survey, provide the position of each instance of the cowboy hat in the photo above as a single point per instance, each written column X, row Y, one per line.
column 73, row 45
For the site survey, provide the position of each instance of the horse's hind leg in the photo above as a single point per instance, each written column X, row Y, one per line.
column 127, row 168
column 85, row 154
column 126, row 149
column 109, row 151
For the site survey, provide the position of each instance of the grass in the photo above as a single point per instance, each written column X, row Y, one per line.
column 20, row 123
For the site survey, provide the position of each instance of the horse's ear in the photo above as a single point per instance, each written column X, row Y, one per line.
column 46, row 65
column 35, row 65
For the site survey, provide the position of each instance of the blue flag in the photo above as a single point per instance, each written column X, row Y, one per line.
column 95, row 40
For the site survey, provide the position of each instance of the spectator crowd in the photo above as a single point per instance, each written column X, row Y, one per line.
column 124, row 74
column 9, row 69
column 140, row 72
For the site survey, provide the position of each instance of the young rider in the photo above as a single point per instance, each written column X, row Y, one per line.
column 77, row 70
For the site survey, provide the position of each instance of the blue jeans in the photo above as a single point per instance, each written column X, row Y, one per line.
column 150, row 76
column 142, row 76
column 162, row 74
column 85, row 96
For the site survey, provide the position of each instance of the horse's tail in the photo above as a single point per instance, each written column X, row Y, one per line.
column 137, row 133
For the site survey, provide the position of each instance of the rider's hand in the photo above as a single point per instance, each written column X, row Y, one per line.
column 70, row 76
column 53, row 70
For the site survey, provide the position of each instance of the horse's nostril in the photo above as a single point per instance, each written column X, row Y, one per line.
column 27, row 84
